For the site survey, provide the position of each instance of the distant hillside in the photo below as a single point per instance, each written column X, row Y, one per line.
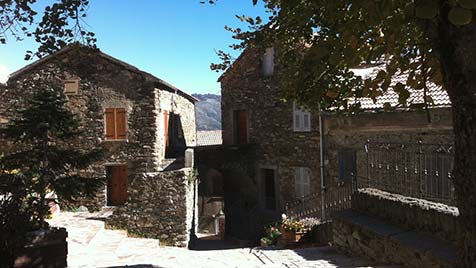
column 208, row 111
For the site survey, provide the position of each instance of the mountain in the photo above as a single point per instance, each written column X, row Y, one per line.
column 208, row 111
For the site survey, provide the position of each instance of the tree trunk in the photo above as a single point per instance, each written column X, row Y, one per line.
column 457, row 50
column 464, row 116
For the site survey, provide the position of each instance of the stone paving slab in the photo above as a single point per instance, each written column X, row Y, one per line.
column 90, row 245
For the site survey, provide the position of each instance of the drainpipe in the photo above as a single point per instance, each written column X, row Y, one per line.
column 321, row 156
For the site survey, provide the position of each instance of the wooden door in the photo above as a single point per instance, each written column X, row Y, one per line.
column 269, row 188
column 166, row 130
column 116, row 185
column 241, row 126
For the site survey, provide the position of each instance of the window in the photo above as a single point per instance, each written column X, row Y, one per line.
column 268, row 62
column 347, row 165
column 71, row 86
column 302, row 181
column 240, row 126
column 301, row 119
column 115, row 124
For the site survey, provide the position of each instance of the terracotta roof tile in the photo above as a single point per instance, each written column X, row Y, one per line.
column 209, row 137
column 439, row 96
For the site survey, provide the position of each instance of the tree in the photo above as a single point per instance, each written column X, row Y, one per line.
column 320, row 41
column 40, row 161
column 61, row 23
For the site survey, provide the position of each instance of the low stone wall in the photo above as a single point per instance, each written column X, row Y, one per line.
column 160, row 206
column 409, row 213
column 394, row 229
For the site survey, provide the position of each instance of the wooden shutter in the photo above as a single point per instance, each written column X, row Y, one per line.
column 121, row 130
column 166, row 129
column 268, row 62
column 302, row 181
column 302, row 118
column 110, row 124
column 297, row 120
column 71, row 87
column 242, row 124
column 306, row 121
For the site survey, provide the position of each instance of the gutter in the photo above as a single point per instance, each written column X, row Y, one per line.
column 321, row 159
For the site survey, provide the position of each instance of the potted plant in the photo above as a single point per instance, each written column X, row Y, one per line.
column 40, row 160
column 272, row 235
column 291, row 229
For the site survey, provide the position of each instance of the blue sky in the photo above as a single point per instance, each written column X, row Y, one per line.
column 172, row 39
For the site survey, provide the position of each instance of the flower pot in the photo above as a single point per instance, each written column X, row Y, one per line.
column 291, row 237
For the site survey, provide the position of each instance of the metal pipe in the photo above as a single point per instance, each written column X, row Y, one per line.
column 321, row 156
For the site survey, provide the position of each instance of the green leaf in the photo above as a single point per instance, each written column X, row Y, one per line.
column 403, row 93
column 426, row 9
column 460, row 16
column 468, row 4
column 387, row 107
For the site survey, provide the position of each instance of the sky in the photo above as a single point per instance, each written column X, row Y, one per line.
column 174, row 40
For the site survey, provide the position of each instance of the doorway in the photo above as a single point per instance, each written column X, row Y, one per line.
column 268, row 193
column 116, row 185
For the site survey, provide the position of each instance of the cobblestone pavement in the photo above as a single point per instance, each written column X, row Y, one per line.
column 90, row 245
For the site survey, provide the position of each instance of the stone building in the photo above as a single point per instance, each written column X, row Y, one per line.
column 287, row 137
column 144, row 123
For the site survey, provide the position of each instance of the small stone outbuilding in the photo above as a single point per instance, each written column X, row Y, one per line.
column 144, row 123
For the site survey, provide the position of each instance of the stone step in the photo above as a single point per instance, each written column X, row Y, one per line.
column 107, row 240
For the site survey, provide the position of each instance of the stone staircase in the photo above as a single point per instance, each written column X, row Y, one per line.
column 87, row 234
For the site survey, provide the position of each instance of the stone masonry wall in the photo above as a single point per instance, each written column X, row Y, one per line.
column 270, row 125
column 160, row 205
column 390, row 228
column 410, row 213
column 174, row 103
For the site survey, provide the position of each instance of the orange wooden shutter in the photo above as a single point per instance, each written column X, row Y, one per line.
column 121, row 130
column 166, row 129
column 110, row 123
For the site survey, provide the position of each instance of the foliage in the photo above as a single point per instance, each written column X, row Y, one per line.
column 15, row 221
column 192, row 177
column 266, row 241
column 320, row 42
column 42, row 159
column 61, row 23
column 272, row 234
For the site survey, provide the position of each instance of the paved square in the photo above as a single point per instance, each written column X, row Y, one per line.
column 90, row 245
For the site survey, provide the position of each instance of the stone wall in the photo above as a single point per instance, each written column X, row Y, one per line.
column 409, row 213
column 180, row 106
column 160, row 206
column 390, row 228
